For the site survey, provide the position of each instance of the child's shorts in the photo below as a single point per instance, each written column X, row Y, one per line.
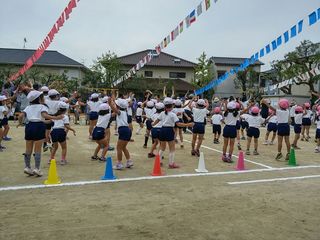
column 35, row 131
column 244, row 124
column 230, row 131
column 297, row 128
column 253, row 132
column 149, row 124
column 283, row 129
column 139, row 119
column 216, row 128
column 238, row 125
column 58, row 135
column 306, row 122
column 181, row 121
column 93, row 116
column 98, row 133
column 198, row 128
column 4, row 121
column 49, row 125
column 166, row 134
column 124, row 133
column 155, row 133
column 318, row 133
column 129, row 119
column 272, row 127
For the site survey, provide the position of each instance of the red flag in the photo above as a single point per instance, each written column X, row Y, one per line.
column 60, row 21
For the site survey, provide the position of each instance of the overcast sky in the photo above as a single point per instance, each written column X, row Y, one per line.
column 230, row 28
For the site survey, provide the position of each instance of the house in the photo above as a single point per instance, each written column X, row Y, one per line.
column 50, row 62
column 225, row 64
column 163, row 70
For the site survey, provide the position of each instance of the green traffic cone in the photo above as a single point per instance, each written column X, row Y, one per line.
column 292, row 158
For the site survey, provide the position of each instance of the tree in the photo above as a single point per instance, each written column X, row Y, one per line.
column 247, row 81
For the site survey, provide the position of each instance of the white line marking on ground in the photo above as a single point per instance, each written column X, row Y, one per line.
column 153, row 178
column 260, row 164
column 273, row 180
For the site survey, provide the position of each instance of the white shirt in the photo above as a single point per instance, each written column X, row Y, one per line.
column 318, row 124
column 283, row 116
column 254, row 121
column 298, row 118
column 292, row 110
column 230, row 119
column 122, row 119
column 199, row 114
column 60, row 123
column 94, row 106
column 155, row 117
column 53, row 106
column 33, row 112
column 129, row 111
column 103, row 121
column 216, row 119
column 179, row 112
column 273, row 119
column 2, row 110
column 149, row 112
column 187, row 106
column 139, row 112
column 308, row 114
column 169, row 119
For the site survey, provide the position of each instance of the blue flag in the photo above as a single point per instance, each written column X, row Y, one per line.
column 318, row 13
column 293, row 31
column 274, row 45
column 286, row 36
column 268, row 50
column 300, row 25
column 261, row 52
column 279, row 41
column 312, row 18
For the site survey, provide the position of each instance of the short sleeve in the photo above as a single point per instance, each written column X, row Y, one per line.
column 175, row 118
column 160, row 117
column 44, row 109
column 66, row 120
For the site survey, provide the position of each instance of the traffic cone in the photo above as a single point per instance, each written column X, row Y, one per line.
column 108, row 174
column 240, row 164
column 292, row 158
column 201, row 164
column 53, row 177
column 157, row 167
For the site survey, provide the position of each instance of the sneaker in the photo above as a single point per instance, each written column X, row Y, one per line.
column 265, row 143
column 118, row 166
column 28, row 171
column 243, row 138
column 193, row 152
column 279, row 156
column 110, row 148
column 302, row 139
column 296, row 147
column 173, row 165
column 197, row 152
column 271, row 143
column 229, row 159
column 218, row 141
column 248, row 152
column 63, row 162
column 6, row 139
column 224, row 158
column 45, row 148
column 255, row 152
column 37, row 172
column 151, row 155
column 317, row 150
column 129, row 164
column 144, row 146
column 307, row 139
column 239, row 146
column 102, row 159
column 2, row 147
column 287, row 156
column 94, row 158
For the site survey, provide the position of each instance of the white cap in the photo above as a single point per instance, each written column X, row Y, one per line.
column 44, row 89
column 159, row 105
column 63, row 105
column 3, row 97
column 122, row 103
column 150, row 104
column 53, row 92
column 177, row 102
column 154, row 100
column 64, row 99
column 94, row 95
column 105, row 99
column 167, row 101
column 232, row 105
column 104, row 106
column 139, row 103
column 33, row 95
column 201, row 102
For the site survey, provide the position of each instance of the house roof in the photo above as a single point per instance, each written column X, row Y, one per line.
column 162, row 60
column 231, row 61
column 48, row 58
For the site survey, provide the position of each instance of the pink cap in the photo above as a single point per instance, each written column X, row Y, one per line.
column 284, row 103
column 255, row 110
column 237, row 105
column 299, row 109
column 216, row 110
column 307, row 105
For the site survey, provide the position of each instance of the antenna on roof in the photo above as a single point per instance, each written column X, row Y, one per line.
column 24, row 43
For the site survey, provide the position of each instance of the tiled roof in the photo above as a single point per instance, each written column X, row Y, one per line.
column 231, row 61
column 48, row 58
column 162, row 60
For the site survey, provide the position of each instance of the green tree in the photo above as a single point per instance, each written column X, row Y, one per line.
column 247, row 81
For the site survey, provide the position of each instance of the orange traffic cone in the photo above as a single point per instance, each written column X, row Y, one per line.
column 240, row 164
column 157, row 167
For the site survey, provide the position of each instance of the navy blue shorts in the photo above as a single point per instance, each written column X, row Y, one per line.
column 297, row 128
column 318, row 133
column 181, row 121
column 155, row 133
column 49, row 125
column 283, row 129
column 35, row 131
column 4, row 121
column 166, row 134
column 272, row 127
column 149, row 124
column 253, row 132
column 244, row 124
column 93, row 116
column 58, row 135
column 98, row 133
column 216, row 128
column 198, row 128
column 139, row 119
column 124, row 133
column 129, row 119
column 306, row 122
column 238, row 125
column 229, row 131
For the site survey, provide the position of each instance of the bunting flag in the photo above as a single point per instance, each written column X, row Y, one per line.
column 181, row 27
column 208, row 4
column 199, row 9
column 47, row 40
column 174, row 33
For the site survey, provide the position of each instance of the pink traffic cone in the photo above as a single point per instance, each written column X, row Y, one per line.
column 240, row 164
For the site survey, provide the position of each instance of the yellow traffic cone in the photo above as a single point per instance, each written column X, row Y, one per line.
column 53, row 177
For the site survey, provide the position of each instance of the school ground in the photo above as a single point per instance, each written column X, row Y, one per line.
column 269, row 200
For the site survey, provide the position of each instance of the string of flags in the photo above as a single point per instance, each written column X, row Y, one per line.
column 313, row 18
column 47, row 40
column 184, row 24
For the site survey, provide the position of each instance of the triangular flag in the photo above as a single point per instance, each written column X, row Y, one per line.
column 300, row 25
column 207, row 4
column 293, row 31
column 286, row 36
column 192, row 17
column 312, row 18
column 279, row 41
column 199, row 9
column 181, row 27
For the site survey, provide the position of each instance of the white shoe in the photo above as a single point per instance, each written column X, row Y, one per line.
column 317, row 150
column 37, row 172
column 28, row 171
column 271, row 143
column 265, row 143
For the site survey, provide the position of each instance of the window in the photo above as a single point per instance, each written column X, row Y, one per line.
column 148, row 73
column 221, row 73
column 177, row 75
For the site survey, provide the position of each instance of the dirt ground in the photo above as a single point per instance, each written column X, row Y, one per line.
column 202, row 207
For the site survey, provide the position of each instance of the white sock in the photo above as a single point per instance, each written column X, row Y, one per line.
column 160, row 154
column 171, row 157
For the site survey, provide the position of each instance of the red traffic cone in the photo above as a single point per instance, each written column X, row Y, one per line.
column 157, row 167
column 240, row 164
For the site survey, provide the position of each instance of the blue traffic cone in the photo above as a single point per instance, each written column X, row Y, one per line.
column 108, row 175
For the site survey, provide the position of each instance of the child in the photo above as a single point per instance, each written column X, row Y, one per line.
column 139, row 118
column 3, row 113
column 35, row 130
column 200, row 112
column 58, row 133
column 93, row 106
column 129, row 112
column 179, row 111
column 254, row 120
column 317, row 150
column 101, row 132
column 166, row 135
column 238, row 126
column 306, row 122
column 119, row 107
column 283, row 126
column 271, row 127
column 155, row 131
column 149, row 111
column 4, row 121
column 298, row 115
column 216, row 121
